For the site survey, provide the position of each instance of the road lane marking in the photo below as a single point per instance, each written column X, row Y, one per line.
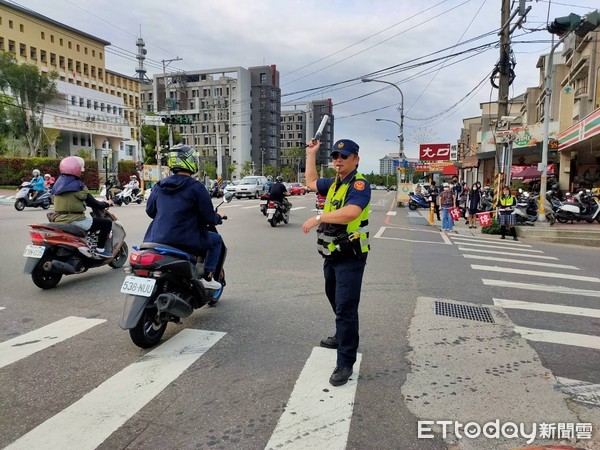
column 297, row 207
column 391, row 213
column 522, row 261
column 236, row 205
column 2, row 307
column 495, row 252
column 542, row 287
column 29, row 343
column 502, row 247
column 248, row 207
column 537, row 273
column 100, row 412
column 379, row 235
column 468, row 240
column 581, row 391
column 317, row 414
column 559, row 337
column 546, row 307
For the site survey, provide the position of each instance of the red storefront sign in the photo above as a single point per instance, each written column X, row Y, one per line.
column 434, row 152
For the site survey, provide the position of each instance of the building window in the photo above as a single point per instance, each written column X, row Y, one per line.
column 218, row 92
column 93, row 53
column 23, row 50
column 73, row 100
column 1, row 44
column 32, row 53
column 263, row 78
column 75, row 140
column 206, row 92
column 21, row 28
column 52, row 59
column 77, row 47
column 85, row 50
column 129, row 150
column 70, row 45
column 61, row 62
column 82, row 141
column 100, row 73
column 60, row 41
column 43, row 35
column 52, row 38
column 10, row 24
column 69, row 64
column 100, row 55
column 93, row 72
column 11, row 47
column 85, row 69
column 89, row 104
column 95, row 106
column 81, row 102
column 78, row 67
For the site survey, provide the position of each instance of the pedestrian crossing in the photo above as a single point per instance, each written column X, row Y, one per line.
column 315, row 416
column 499, row 261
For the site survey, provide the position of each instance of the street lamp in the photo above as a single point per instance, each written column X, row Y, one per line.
column 401, row 124
column 105, row 154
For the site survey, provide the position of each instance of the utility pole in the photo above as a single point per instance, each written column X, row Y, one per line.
column 503, row 73
column 165, row 64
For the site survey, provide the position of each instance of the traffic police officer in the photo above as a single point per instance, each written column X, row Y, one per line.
column 343, row 242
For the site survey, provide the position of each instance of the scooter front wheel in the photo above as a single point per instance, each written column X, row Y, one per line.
column 121, row 258
column 148, row 332
column 20, row 204
column 412, row 206
column 46, row 204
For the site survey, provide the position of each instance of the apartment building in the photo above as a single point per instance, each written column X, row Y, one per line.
column 96, row 108
column 579, row 139
column 299, row 123
column 388, row 165
column 233, row 114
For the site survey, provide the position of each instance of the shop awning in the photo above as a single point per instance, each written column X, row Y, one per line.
column 470, row 162
column 450, row 170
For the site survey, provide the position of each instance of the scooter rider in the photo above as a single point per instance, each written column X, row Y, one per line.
column 181, row 209
column 278, row 192
column 49, row 181
column 134, row 185
column 38, row 185
column 70, row 199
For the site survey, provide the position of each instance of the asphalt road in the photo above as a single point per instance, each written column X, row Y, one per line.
column 248, row 373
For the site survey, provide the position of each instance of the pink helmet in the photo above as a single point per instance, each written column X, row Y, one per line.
column 70, row 166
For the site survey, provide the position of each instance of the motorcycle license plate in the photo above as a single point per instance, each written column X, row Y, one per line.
column 271, row 211
column 34, row 251
column 138, row 286
column 263, row 202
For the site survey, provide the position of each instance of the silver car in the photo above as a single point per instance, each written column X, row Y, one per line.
column 251, row 186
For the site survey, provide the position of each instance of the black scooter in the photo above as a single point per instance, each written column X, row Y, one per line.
column 164, row 286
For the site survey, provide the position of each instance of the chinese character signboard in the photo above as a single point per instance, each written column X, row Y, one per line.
column 434, row 152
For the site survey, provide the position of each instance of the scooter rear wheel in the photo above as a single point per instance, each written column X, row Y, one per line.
column 20, row 204
column 147, row 332
column 273, row 222
column 44, row 279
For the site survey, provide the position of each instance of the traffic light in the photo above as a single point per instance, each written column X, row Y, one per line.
column 589, row 22
column 563, row 25
column 181, row 120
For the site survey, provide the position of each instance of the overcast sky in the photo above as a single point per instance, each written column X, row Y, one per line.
column 319, row 43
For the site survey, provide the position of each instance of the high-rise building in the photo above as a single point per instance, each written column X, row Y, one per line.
column 299, row 123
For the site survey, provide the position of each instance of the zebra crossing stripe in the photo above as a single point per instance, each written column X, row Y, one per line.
column 502, row 247
column 391, row 213
column 546, row 307
column 581, row 391
column 559, row 337
column 103, row 410
column 467, row 240
column 297, row 207
column 542, row 287
column 317, row 414
column 29, row 343
column 537, row 273
column 522, row 261
column 2, row 307
column 494, row 252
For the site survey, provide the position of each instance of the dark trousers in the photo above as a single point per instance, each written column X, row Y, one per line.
column 104, row 226
column 343, row 281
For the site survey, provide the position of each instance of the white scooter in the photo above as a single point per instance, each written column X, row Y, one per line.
column 126, row 196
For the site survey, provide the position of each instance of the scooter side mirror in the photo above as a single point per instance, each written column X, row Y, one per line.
column 520, row 191
column 228, row 197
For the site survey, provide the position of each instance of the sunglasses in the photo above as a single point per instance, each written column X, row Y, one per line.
column 336, row 155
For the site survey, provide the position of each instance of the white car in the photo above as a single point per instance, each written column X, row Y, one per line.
column 251, row 186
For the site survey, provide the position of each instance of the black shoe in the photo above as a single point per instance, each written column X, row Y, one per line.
column 330, row 342
column 340, row 375
column 502, row 237
column 515, row 239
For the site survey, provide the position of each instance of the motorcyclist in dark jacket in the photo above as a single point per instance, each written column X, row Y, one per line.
column 181, row 210
column 278, row 192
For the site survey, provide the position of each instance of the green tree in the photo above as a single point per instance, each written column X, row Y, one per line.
column 288, row 173
column 246, row 169
column 269, row 170
column 31, row 91
column 149, row 141
column 230, row 170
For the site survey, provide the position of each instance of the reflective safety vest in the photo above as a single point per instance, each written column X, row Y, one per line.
column 335, row 240
column 507, row 201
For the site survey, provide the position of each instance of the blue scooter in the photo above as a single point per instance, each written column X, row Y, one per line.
column 417, row 201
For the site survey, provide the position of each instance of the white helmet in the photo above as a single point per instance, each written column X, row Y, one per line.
column 35, row 173
column 47, row 176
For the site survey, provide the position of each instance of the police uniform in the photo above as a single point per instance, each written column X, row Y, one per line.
column 507, row 218
column 344, row 249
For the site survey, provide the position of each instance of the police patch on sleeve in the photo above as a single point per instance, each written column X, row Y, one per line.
column 359, row 185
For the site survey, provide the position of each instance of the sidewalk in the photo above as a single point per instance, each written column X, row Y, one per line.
column 578, row 233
